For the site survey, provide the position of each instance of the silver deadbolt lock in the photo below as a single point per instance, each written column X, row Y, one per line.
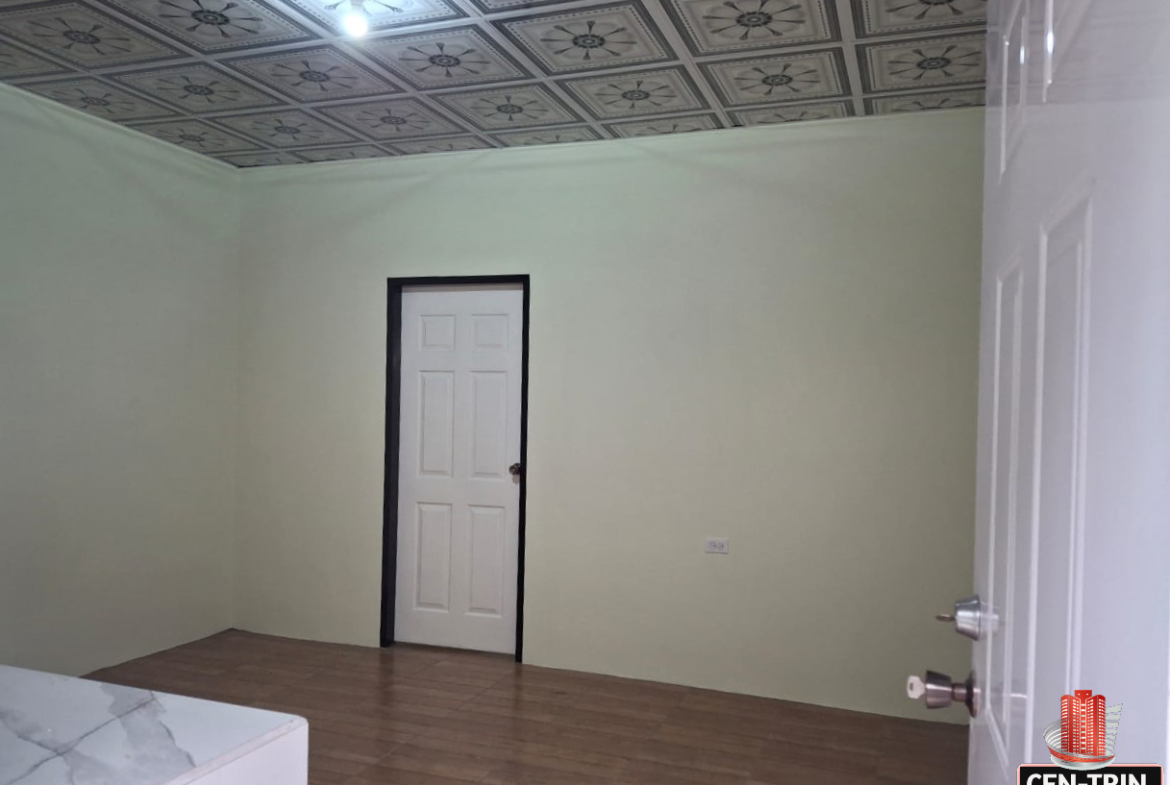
column 938, row 691
column 968, row 617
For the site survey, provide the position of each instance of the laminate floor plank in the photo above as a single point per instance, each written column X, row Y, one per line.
column 416, row 715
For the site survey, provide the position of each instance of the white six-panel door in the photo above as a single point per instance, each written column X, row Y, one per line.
column 1073, row 528
column 458, row 505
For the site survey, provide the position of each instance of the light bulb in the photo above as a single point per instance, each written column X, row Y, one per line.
column 355, row 22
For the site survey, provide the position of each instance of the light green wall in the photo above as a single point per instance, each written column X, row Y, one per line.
column 765, row 334
column 118, row 339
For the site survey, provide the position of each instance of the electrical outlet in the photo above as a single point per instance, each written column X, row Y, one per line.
column 718, row 545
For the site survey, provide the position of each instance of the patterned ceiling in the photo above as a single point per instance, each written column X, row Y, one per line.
column 264, row 82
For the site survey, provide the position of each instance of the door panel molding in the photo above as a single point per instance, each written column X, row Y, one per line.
column 1066, row 249
column 1005, row 454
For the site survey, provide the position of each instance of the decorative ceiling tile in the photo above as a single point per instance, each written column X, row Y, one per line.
column 662, row 91
column 452, row 57
column 268, row 158
column 82, row 35
column 909, row 65
column 273, row 85
column 714, row 26
column 383, row 14
column 16, row 62
column 952, row 99
column 772, row 115
column 496, row 6
column 196, row 89
column 796, row 77
column 98, row 98
column 666, row 125
column 286, row 129
column 350, row 153
column 511, row 107
column 318, row 74
column 401, row 119
column 551, row 136
column 885, row 17
column 197, row 135
column 453, row 145
column 217, row 25
column 606, row 36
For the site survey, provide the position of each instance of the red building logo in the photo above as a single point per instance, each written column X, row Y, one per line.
column 1083, row 739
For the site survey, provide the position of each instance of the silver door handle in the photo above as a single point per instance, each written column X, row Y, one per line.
column 938, row 691
column 968, row 617
column 515, row 470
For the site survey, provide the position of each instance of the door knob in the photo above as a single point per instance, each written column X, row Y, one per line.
column 938, row 691
column 515, row 469
column 967, row 617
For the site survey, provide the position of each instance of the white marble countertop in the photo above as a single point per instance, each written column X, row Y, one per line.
column 58, row 730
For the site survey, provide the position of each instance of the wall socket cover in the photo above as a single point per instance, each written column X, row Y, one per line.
column 718, row 545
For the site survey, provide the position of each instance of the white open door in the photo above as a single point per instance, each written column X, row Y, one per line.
column 458, row 484
column 1073, row 528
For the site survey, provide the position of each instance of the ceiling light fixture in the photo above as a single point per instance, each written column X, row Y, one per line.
column 354, row 21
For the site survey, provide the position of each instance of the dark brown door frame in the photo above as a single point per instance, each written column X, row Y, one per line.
column 393, row 422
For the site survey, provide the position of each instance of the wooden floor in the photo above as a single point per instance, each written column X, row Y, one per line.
column 417, row 716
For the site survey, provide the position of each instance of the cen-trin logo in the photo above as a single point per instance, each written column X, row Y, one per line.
column 1080, row 743
column 1084, row 736
column 1048, row 774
